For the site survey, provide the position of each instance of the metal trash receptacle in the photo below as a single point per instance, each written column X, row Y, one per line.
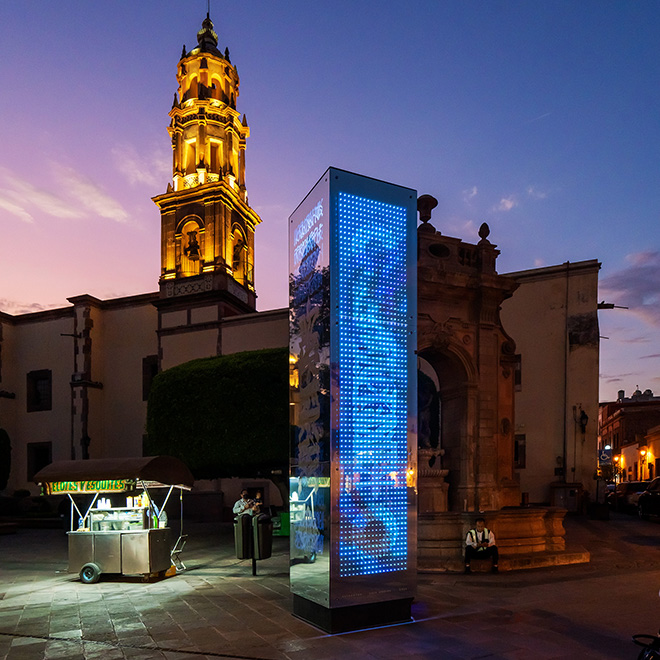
column 262, row 527
column 243, row 536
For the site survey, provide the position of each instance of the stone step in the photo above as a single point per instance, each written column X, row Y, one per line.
column 7, row 528
column 515, row 562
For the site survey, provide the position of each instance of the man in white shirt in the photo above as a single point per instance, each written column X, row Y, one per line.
column 245, row 505
column 480, row 544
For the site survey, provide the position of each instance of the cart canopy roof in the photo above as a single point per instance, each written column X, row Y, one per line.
column 164, row 470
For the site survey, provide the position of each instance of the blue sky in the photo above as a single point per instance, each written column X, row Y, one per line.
column 540, row 118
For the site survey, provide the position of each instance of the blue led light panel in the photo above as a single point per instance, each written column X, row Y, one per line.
column 373, row 358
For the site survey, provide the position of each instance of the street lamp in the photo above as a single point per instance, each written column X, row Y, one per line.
column 642, row 461
column 617, row 467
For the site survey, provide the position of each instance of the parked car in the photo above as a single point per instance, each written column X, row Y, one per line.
column 626, row 494
column 609, row 489
column 649, row 501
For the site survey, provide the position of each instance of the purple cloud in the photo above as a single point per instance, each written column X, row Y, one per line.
column 15, row 308
column 637, row 287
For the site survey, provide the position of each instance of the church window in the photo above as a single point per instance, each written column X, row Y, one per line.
column 216, row 86
column 519, row 451
column 215, row 156
column 192, row 89
column 39, row 390
column 39, row 455
column 192, row 248
column 238, row 257
column 517, row 373
column 234, row 161
column 191, row 165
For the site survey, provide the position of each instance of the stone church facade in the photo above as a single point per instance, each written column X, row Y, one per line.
column 507, row 361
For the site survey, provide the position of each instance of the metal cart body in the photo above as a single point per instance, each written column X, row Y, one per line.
column 129, row 552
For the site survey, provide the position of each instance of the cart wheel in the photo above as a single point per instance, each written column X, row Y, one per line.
column 90, row 573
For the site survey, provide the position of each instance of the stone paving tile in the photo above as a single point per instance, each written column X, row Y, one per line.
column 320, row 654
column 97, row 651
column 23, row 653
column 31, row 642
column 105, row 637
column 36, row 629
column 96, row 623
column 69, row 650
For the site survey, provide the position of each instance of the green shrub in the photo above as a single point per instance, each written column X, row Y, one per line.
column 225, row 416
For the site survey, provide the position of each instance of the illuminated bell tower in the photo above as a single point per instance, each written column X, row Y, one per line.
column 207, row 226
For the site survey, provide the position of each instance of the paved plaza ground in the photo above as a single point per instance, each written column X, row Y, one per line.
column 217, row 609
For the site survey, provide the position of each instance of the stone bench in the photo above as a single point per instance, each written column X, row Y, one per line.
column 527, row 537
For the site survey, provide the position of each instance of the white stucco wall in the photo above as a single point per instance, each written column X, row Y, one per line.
column 557, row 380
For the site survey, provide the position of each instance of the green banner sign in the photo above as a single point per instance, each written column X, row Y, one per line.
column 102, row 486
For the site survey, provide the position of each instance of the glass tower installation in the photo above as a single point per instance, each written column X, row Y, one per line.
column 353, row 401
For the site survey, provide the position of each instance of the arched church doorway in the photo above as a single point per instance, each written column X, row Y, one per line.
column 443, row 418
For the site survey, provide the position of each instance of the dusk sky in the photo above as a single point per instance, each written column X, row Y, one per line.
column 540, row 118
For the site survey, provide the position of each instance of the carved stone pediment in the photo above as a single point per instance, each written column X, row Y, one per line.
column 433, row 334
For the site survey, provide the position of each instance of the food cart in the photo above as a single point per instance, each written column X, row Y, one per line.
column 123, row 529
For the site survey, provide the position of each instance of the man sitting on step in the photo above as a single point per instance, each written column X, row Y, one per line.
column 480, row 544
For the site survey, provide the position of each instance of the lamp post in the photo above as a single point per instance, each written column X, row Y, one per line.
column 617, row 467
column 642, row 462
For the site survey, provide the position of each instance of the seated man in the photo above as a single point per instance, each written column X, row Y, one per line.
column 480, row 544
column 245, row 505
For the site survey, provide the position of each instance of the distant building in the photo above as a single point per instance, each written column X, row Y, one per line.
column 623, row 426
column 651, row 459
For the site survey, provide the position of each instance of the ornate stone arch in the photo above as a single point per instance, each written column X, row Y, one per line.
column 190, row 242
column 216, row 87
column 457, row 393
column 239, row 253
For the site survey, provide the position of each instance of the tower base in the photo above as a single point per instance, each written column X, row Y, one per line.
column 354, row 617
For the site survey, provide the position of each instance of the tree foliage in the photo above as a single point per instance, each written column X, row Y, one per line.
column 225, row 416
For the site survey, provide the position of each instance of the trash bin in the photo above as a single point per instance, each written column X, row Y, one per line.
column 262, row 528
column 243, row 537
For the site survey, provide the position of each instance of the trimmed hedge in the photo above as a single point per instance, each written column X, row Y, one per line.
column 225, row 416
